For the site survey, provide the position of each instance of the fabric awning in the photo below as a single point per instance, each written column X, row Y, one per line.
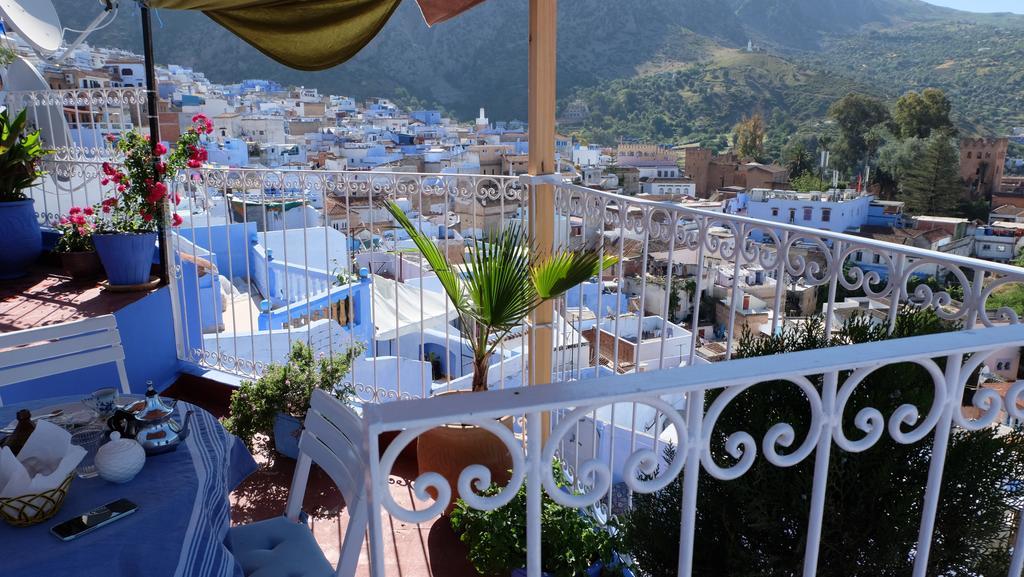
column 310, row 34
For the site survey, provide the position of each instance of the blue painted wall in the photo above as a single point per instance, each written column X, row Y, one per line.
column 216, row 239
column 147, row 334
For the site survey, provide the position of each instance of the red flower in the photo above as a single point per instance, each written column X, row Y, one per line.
column 121, row 188
column 161, row 167
column 64, row 220
column 177, row 199
column 160, row 149
column 193, row 163
column 106, row 208
column 107, row 169
column 176, row 219
column 88, row 211
column 105, row 181
column 147, row 217
column 199, row 117
column 74, row 210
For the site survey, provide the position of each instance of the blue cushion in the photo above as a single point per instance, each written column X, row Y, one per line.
column 278, row 548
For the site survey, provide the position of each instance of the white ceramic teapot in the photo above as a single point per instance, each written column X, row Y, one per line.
column 119, row 460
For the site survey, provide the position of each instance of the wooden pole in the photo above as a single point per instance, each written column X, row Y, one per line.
column 541, row 107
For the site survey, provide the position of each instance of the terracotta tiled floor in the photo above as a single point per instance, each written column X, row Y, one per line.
column 411, row 550
column 46, row 296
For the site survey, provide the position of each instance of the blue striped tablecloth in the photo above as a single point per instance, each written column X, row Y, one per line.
column 179, row 529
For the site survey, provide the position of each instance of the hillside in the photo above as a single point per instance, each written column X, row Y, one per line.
column 978, row 65
column 701, row 101
column 479, row 59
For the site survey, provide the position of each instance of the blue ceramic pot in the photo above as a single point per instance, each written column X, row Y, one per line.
column 127, row 257
column 286, row 435
column 22, row 240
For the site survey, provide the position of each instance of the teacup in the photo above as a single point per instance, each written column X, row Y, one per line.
column 103, row 401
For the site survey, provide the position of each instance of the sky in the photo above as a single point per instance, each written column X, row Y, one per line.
column 983, row 5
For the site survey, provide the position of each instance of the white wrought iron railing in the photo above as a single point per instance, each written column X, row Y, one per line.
column 689, row 402
column 268, row 257
column 77, row 122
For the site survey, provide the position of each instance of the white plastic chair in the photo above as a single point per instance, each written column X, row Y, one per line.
column 43, row 351
column 285, row 545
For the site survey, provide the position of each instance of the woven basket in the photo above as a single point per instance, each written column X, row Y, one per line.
column 31, row 509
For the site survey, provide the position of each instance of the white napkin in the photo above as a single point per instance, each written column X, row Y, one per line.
column 47, row 458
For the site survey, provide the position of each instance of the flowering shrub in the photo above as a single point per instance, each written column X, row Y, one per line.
column 139, row 187
column 76, row 230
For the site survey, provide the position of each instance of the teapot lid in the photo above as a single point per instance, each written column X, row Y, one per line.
column 153, row 408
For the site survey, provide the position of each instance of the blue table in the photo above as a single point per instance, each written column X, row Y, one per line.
column 179, row 529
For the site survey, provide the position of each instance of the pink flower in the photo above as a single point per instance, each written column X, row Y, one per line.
column 121, row 188
column 193, row 163
column 160, row 149
column 199, row 117
column 177, row 199
column 64, row 220
column 176, row 219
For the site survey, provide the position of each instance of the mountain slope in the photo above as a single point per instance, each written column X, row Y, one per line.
column 479, row 59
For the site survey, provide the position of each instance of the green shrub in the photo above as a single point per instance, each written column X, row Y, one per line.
column 756, row 525
column 287, row 389
column 571, row 541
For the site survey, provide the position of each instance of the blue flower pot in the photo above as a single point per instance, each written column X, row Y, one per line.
column 286, row 435
column 127, row 257
column 22, row 240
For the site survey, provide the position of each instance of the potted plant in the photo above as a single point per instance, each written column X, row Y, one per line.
column 574, row 543
column 126, row 235
column 77, row 253
column 499, row 285
column 19, row 153
column 267, row 414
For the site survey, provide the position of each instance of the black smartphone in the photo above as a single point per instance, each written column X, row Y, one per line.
column 82, row 524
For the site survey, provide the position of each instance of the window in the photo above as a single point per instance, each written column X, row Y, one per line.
column 826, row 215
column 877, row 259
column 126, row 72
column 808, row 213
column 969, row 154
column 860, row 256
column 986, row 247
column 792, row 215
column 775, row 212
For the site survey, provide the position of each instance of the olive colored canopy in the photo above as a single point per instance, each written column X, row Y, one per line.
column 310, row 34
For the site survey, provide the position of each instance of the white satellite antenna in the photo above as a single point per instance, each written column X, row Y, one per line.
column 22, row 76
column 36, row 22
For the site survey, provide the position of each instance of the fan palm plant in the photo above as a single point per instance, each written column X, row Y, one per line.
column 501, row 283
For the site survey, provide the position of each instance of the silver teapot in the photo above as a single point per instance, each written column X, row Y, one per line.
column 150, row 423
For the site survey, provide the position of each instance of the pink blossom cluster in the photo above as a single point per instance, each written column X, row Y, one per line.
column 78, row 217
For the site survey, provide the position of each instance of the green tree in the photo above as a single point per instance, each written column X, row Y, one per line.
column 916, row 115
column 932, row 185
column 808, row 182
column 895, row 159
column 748, row 136
column 855, row 115
column 798, row 158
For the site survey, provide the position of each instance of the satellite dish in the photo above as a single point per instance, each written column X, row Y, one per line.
column 23, row 77
column 36, row 21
